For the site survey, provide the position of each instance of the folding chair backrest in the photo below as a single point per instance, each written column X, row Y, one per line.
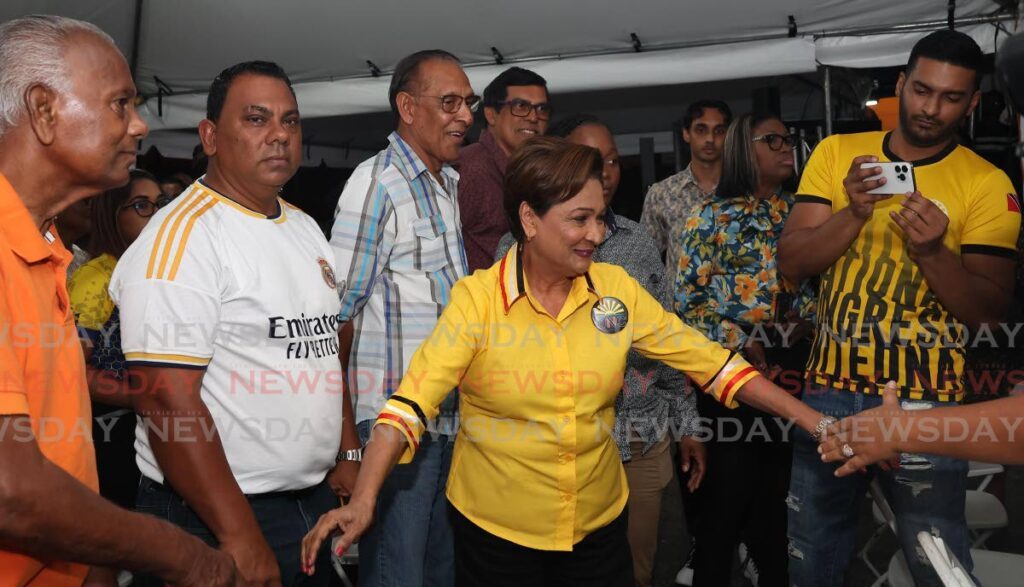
column 875, row 489
column 945, row 563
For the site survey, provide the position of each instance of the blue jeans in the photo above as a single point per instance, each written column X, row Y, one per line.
column 410, row 542
column 284, row 518
column 926, row 493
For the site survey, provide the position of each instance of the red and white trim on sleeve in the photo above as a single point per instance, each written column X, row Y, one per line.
column 730, row 379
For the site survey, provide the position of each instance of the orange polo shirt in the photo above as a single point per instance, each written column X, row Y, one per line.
column 42, row 370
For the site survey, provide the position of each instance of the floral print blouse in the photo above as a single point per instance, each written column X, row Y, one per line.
column 727, row 281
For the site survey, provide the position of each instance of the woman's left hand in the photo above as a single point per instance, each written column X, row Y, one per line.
column 351, row 520
column 865, row 438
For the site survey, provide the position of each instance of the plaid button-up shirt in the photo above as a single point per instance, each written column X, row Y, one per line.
column 398, row 247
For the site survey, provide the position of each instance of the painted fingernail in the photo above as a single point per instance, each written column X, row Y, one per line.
column 820, row 451
column 340, row 551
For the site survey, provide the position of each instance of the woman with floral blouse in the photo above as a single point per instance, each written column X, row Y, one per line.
column 727, row 287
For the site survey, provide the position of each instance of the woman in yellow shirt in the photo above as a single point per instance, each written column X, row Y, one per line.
column 537, row 347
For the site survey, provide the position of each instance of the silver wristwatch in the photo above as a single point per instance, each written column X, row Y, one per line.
column 356, row 454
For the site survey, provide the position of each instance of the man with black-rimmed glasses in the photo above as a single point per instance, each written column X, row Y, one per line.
column 516, row 108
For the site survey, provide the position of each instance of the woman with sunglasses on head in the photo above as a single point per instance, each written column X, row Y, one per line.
column 727, row 287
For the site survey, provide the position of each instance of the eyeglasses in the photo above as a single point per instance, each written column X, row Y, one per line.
column 522, row 108
column 145, row 208
column 775, row 141
column 452, row 102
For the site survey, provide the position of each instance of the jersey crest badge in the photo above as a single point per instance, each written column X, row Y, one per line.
column 327, row 273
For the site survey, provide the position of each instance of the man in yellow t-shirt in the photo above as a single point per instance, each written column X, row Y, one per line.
column 907, row 280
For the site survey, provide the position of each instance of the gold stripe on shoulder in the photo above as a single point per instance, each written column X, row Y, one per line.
column 174, row 232
column 185, row 202
column 184, row 237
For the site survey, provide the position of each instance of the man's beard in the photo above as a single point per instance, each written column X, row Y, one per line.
column 941, row 136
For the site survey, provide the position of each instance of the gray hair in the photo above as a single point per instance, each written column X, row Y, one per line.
column 32, row 52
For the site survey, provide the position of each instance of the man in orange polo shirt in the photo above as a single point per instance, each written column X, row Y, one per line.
column 68, row 130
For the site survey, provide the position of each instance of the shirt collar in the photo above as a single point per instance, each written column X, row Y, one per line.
column 512, row 282
column 411, row 163
column 689, row 178
column 21, row 231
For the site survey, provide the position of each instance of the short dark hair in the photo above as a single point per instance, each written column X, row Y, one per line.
column 497, row 91
column 546, row 171
column 173, row 179
column 740, row 175
column 407, row 73
column 951, row 47
column 222, row 83
column 563, row 127
column 696, row 109
column 103, row 211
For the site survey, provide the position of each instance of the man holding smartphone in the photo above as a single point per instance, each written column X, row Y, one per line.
column 903, row 280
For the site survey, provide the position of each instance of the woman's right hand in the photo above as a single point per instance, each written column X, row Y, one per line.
column 351, row 520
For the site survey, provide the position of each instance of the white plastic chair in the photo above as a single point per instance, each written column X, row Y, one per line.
column 949, row 570
column 987, row 471
column 993, row 569
column 983, row 511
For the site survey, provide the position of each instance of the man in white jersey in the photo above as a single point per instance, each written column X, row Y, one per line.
column 230, row 319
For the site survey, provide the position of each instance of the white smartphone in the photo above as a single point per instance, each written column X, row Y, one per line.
column 899, row 177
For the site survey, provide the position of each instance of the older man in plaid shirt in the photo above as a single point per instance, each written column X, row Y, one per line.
column 398, row 245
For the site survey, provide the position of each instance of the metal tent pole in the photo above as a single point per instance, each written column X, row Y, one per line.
column 828, row 100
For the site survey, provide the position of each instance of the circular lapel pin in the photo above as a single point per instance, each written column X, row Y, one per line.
column 609, row 315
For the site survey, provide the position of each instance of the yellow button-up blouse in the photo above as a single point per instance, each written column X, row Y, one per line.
column 535, row 461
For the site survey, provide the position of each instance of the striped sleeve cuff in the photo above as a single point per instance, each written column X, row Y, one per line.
column 166, row 360
column 734, row 375
column 405, row 416
column 809, row 199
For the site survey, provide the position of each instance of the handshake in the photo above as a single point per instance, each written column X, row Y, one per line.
column 869, row 437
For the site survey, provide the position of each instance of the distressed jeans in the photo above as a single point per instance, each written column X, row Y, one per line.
column 926, row 493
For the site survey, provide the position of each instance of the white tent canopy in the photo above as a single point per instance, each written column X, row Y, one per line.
column 577, row 46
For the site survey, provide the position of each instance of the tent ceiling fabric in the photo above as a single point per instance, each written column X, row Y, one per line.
column 890, row 49
column 187, row 42
column 698, row 64
column 324, row 44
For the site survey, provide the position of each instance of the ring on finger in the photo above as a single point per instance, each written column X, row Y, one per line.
column 847, row 451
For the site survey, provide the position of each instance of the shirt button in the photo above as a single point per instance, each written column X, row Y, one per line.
column 565, row 419
column 566, row 497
